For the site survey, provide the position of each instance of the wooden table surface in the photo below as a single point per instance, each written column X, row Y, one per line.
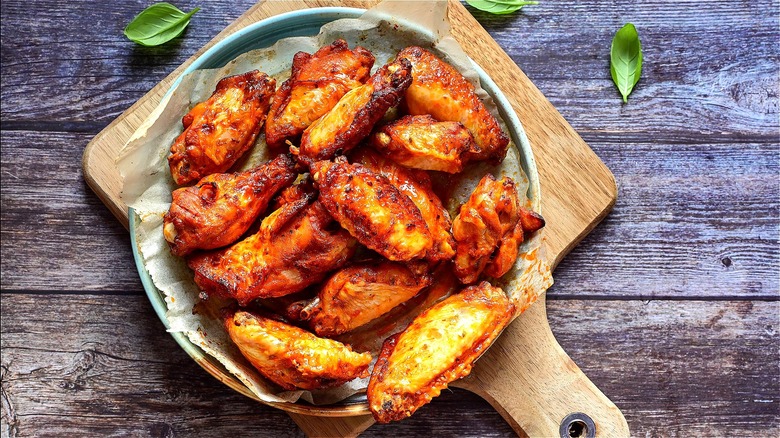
column 671, row 306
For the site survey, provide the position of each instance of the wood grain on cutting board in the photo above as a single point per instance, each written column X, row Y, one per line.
column 525, row 375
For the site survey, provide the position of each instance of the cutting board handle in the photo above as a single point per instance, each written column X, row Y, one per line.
column 534, row 384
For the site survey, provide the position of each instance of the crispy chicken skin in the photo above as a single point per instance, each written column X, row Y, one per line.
column 296, row 247
column 371, row 336
column 316, row 84
column 353, row 117
column 372, row 209
column 441, row 91
column 439, row 346
column 416, row 184
column 420, row 142
column 221, row 207
column 490, row 228
column 292, row 357
column 220, row 130
column 357, row 295
column 507, row 252
column 302, row 189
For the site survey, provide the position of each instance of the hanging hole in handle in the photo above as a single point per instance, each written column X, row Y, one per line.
column 577, row 425
column 577, row 429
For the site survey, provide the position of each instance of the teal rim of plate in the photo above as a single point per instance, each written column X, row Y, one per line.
column 264, row 33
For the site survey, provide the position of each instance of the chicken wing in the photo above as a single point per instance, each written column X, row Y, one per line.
column 296, row 246
column 316, row 84
column 420, row 142
column 372, row 209
column 221, row 207
column 220, row 130
column 292, row 357
column 441, row 91
column 439, row 346
column 416, row 184
column 359, row 294
column 369, row 337
column 353, row 117
column 489, row 229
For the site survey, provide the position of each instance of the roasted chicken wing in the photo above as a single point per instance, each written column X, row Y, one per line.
column 416, row 184
column 439, row 346
column 359, row 294
column 420, row 142
column 441, row 91
column 370, row 336
column 316, row 84
column 220, row 130
column 353, row 117
column 292, row 357
column 372, row 209
column 221, row 207
column 296, row 246
column 490, row 228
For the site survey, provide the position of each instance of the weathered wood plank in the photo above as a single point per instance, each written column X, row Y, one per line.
column 688, row 218
column 95, row 72
column 699, row 80
column 110, row 369
column 709, row 68
column 679, row 368
column 56, row 234
column 705, row 216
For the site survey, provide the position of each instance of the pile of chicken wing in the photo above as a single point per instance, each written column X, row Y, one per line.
column 343, row 226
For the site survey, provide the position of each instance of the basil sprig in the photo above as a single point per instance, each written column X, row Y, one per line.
column 158, row 24
column 626, row 59
column 499, row 7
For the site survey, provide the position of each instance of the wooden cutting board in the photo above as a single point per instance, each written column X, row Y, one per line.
column 525, row 375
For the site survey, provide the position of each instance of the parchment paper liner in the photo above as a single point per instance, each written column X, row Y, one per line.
column 147, row 183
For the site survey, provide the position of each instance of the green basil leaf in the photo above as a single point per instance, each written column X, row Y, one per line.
column 158, row 24
column 499, row 7
column 626, row 59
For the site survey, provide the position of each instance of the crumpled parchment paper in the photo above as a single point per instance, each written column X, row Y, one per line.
column 147, row 182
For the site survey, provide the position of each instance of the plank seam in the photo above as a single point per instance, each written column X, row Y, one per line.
column 592, row 297
column 85, row 127
column 550, row 297
column 70, row 292
column 647, row 137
